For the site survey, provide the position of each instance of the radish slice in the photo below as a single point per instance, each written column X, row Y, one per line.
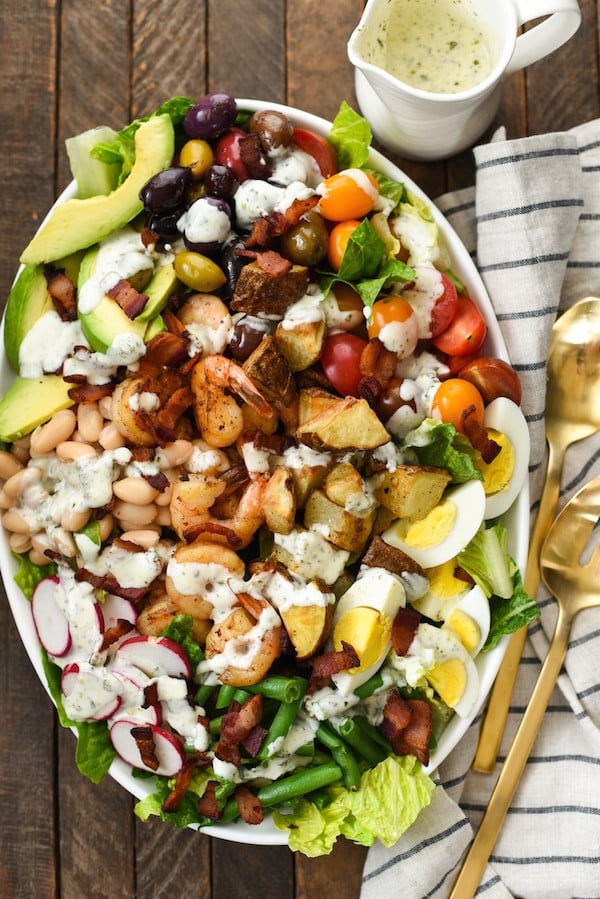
column 167, row 747
column 138, row 715
column 51, row 624
column 117, row 608
column 89, row 692
column 155, row 656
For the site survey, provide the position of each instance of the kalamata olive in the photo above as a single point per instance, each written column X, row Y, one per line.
column 273, row 128
column 248, row 332
column 232, row 264
column 220, row 181
column 165, row 190
column 206, row 225
column 306, row 242
column 165, row 224
column 210, row 116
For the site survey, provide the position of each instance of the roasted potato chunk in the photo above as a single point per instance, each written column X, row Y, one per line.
column 279, row 501
column 311, row 401
column 345, row 425
column 308, row 627
column 348, row 530
column 381, row 555
column 257, row 290
column 410, row 491
column 271, row 373
column 302, row 344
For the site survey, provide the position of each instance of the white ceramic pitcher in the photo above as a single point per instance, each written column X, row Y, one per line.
column 420, row 124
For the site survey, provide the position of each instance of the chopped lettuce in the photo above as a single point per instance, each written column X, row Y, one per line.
column 510, row 615
column 94, row 177
column 180, row 630
column 387, row 801
column 351, row 137
column 29, row 575
column 438, row 444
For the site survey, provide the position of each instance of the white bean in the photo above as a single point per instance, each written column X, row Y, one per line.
column 110, row 437
column 65, row 543
column 89, row 421
column 163, row 516
column 41, row 542
column 19, row 543
column 46, row 437
column 21, row 480
column 176, row 453
column 135, row 490
column 144, row 538
column 9, row 465
column 6, row 501
column 70, row 450
column 106, row 525
column 105, row 407
column 75, row 519
column 37, row 558
column 135, row 516
column 14, row 521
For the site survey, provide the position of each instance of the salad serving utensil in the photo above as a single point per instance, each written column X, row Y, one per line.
column 574, row 581
column 572, row 413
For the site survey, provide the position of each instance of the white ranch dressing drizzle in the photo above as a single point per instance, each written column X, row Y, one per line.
column 204, row 222
column 312, row 555
column 428, row 288
column 121, row 255
column 287, row 591
column 98, row 368
column 130, row 569
column 213, row 582
column 47, row 344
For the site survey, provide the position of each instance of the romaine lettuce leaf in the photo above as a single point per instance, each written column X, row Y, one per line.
column 351, row 137
column 510, row 615
column 439, row 444
column 29, row 575
column 181, row 630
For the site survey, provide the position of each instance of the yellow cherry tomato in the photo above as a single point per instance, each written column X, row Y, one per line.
column 350, row 194
column 453, row 397
column 338, row 241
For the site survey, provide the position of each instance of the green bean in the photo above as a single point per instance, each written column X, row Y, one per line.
column 373, row 733
column 203, row 693
column 224, row 696
column 370, row 686
column 282, row 721
column 367, row 748
column 282, row 791
column 241, row 696
column 342, row 756
column 284, row 689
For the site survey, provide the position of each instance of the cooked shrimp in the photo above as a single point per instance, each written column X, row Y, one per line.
column 208, row 323
column 242, row 647
column 193, row 517
column 158, row 613
column 197, row 577
column 147, row 409
column 218, row 415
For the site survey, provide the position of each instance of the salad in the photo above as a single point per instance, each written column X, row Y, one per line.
column 255, row 466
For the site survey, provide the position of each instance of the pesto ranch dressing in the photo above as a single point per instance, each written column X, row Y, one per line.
column 440, row 46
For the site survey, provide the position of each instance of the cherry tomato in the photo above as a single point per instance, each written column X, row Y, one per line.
column 350, row 194
column 227, row 152
column 338, row 241
column 390, row 400
column 393, row 310
column 455, row 364
column 493, row 378
column 351, row 307
column 453, row 397
column 319, row 148
column 465, row 333
column 445, row 308
column 341, row 362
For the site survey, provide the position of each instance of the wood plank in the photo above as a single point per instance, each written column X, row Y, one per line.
column 252, row 872
column 338, row 874
column 168, row 52
column 171, row 862
column 246, row 49
column 28, row 41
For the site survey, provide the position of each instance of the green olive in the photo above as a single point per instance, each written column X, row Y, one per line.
column 197, row 155
column 306, row 242
column 198, row 271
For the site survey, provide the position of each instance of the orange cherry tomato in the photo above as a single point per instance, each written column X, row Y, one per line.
column 387, row 310
column 453, row 397
column 338, row 241
column 350, row 194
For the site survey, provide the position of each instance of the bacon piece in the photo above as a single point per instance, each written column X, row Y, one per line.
column 239, row 721
column 62, row 292
column 183, row 779
column 207, row 804
column 416, row 736
column 249, row 806
column 89, row 393
column 396, row 716
column 273, row 263
column 478, row 435
column 112, row 634
column 145, row 743
column 327, row 664
column 109, row 583
column 167, row 349
column 159, row 481
column 253, row 157
column 377, row 362
column 404, row 628
column 461, row 575
column 142, row 453
column 265, row 230
column 149, row 237
column 171, row 411
column 299, row 207
column 253, row 742
column 228, row 752
column 125, row 295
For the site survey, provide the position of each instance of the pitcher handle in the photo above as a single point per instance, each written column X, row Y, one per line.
column 564, row 18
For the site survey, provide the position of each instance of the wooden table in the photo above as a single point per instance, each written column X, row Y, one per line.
column 64, row 67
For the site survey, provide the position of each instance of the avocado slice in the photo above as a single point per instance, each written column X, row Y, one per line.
column 163, row 283
column 30, row 402
column 156, row 326
column 77, row 224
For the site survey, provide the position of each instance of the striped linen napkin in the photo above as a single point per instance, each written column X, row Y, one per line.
column 532, row 223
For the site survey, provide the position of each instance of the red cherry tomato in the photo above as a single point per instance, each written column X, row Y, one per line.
column 341, row 362
column 445, row 308
column 319, row 148
column 453, row 398
column 227, row 152
column 465, row 333
column 455, row 364
column 493, row 378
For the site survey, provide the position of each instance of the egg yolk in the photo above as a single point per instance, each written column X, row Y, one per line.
column 449, row 680
column 498, row 472
column 367, row 631
column 442, row 581
column 466, row 629
column 431, row 530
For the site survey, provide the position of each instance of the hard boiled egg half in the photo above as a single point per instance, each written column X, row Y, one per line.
column 363, row 618
column 449, row 668
column 445, row 531
column 504, row 477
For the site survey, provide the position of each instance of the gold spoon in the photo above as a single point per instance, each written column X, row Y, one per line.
column 572, row 413
column 575, row 586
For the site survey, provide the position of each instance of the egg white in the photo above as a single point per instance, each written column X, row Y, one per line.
column 475, row 604
column 505, row 416
column 445, row 647
column 469, row 499
column 377, row 589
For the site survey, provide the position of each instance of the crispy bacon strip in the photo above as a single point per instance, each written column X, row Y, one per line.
column 396, row 716
column 109, row 583
column 207, row 804
column 145, row 743
column 249, row 806
column 130, row 300
column 299, row 207
column 404, row 628
column 159, row 481
column 253, row 157
column 112, row 634
column 170, row 412
column 253, row 742
column 228, row 752
column 183, row 779
column 461, row 575
column 377, row 362
column 62, row 292
column 273, row 263
column 239, row 720
column 327, row 664
column 167, row 349
column 89, row 393
column 478, row 435
column 149, row 237
column 416, row 736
